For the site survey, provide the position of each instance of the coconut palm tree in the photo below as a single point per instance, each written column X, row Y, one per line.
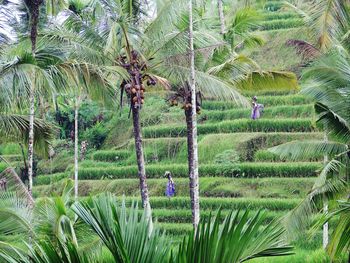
column 327, row 83
column 191, row 120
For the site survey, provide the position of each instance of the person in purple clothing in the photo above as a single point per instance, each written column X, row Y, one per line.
column 170, row 186
column 256, row 109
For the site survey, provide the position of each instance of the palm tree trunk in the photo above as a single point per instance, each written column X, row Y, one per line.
column 191, row 120
column 76, row 153
column 31, row 139
column 192, row 168
column 325, row 238
column 141, row 162
column 221, row 16
column 34, row 13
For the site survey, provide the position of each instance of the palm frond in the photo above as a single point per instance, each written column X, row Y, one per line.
column 126, row 236
column 270, row 80
column 244, row 235
column 307, row 50
column 16, row 127
column 324, row 189
column 297, row 150
column 209, row 85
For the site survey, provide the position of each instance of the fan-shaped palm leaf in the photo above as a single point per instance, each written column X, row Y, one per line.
column 238, row 239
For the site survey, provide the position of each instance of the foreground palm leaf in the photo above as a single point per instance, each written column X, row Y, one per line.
column 126, row 237
column 238, row 239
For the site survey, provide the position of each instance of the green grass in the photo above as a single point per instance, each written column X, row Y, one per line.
column 110, row 155
column 300, row 256
column 209, row 187
column 272, row 204
column 268, row 101
column 279, row 15
column 241, row 125
column 3, row 166
column 266, row 156
column 10, row 148
column 293, row 111
column 281, row 24
column 109, row 171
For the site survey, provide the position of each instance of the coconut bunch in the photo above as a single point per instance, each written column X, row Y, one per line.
column 182, row 97
column 134, row 87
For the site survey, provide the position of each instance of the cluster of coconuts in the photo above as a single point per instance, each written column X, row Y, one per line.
column 185, row 105
column 137, row 93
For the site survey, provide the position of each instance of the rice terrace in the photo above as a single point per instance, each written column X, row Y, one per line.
column 187, row 131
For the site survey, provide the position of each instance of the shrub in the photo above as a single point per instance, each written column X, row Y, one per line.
column 273, row 5
column 111, row 156
column 95, row 135
column 241, row 125
column 57, row 165
column 48, row 179
column 181, row 170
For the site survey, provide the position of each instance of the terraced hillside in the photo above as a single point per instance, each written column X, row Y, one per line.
column 236, row 170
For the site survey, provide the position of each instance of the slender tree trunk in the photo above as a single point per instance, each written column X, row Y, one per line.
column 325, row 238
column 191, row 119
column 34, row 13
column 141, row 163
column 76, row 150
column 221, row 16
column 31, row 139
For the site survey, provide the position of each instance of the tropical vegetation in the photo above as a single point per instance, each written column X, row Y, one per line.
column 104, row 102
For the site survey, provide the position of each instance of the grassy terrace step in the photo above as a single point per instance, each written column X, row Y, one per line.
column 279, row 15
column 268, row 101
column 174, row 149
column 206, row 203
column 209, row 187
column 281, row 24
column 294, row 111
column 185, row 215
column 108, row 171
column 241, row 125
column 266, row 156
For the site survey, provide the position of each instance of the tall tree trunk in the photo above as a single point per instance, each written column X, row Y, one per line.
column 76, row 150
column 31, row 140
column 141, row 163
column 34, row 20
column 191, row 119
column 221, row 16
column 325, row 238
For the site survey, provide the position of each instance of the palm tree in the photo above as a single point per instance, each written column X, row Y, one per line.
column 34, row 12
column 222, row 64
column 327, row 83
column 191, row 120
